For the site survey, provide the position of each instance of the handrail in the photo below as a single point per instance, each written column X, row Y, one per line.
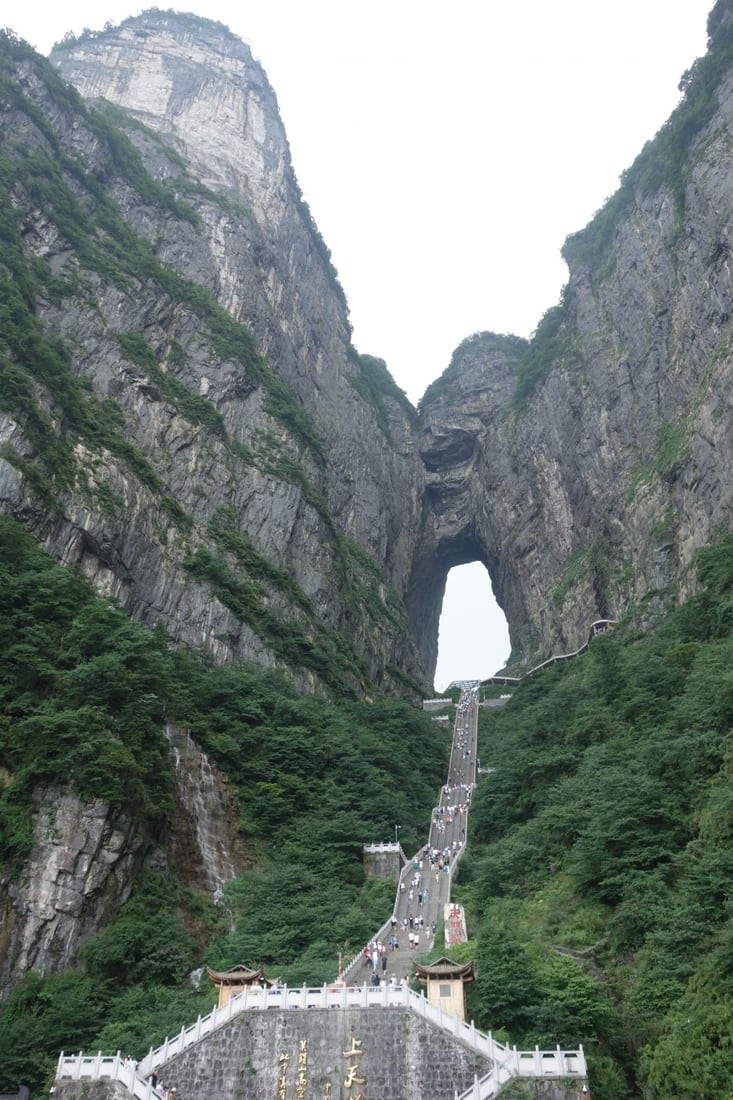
column 348, row 971
column 109, row 1067
column 526, row 1063
column 506, row 1062
column 605, row 623
column 256, row 998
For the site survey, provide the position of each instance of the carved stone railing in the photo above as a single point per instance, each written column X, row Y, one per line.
column 136, row 1079
column 527, row 1063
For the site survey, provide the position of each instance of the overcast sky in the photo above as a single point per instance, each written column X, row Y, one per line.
column 446, row 151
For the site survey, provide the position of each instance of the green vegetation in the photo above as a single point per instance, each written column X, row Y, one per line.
column 599, row 881
column 244, row 580
column 84, row 694
column 375, row 384
column 131, row 983
column 194, row 408
column 81, row 694
column 482, row 346
column 662, row 163
column 195, row 22
column 575, row 571
column 550, row 346
column 88, row 220
column 57, row 409
column 242, row 588
column 663, row 160
column 671, row 450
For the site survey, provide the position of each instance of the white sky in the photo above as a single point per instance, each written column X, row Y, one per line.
column 446, row 150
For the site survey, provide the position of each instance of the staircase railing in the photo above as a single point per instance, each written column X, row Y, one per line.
column 526, row 1063
column 517, row 1063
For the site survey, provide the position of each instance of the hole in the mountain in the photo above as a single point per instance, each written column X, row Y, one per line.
column 473, row 637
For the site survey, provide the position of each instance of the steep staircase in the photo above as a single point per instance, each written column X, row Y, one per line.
column 435, row 863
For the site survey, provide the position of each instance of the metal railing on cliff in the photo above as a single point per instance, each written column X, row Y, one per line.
column 600, row 626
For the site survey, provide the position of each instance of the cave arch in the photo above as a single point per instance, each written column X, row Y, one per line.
column 439, row 551
column 473, row 634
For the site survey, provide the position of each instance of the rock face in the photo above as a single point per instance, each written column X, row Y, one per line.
column 586, row 468
column 183, row 415
column 81, row 869
column 583, row 468
column 86, row 856
column 257, row 475
column 202, row 836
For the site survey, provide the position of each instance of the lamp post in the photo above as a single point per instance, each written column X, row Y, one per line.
column 396, row 831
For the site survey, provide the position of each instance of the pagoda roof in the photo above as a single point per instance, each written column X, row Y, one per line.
column 236, row 975
column 446, row 968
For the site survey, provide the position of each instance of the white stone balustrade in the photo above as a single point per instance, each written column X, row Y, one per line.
column 509, row 1062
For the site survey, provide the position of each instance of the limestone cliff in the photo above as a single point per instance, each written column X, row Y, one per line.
column 182, row 412
column 583, row 467
column 586, row 467
column 80, row 869
column 218, row 456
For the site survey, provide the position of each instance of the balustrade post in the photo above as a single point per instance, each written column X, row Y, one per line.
column 98, row 1066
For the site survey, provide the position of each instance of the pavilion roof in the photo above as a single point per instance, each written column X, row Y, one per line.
column 236, row 975
column 446, row 968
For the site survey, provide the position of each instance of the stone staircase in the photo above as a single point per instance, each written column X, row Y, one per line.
column 353, row 989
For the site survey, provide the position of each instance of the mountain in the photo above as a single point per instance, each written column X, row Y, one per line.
column 185, row 416
column 587, row 466
column 275, row 496
column 256, row 527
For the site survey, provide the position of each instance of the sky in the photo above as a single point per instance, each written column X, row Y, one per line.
column 446, row 151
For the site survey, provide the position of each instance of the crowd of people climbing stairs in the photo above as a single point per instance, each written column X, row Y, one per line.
column 424, row 884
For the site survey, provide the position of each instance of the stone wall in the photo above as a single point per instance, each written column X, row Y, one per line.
column 564, row 1088
column 402, row 1057
column 90, row 1090
column 383, row 861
